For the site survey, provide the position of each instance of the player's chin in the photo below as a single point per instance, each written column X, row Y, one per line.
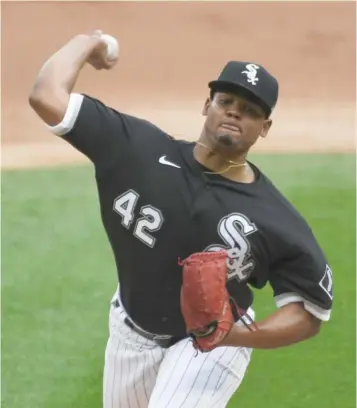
column 228, row 139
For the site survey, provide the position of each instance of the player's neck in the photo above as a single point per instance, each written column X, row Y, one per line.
column 236, row 170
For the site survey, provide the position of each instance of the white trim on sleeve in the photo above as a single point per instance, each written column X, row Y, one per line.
column 317, row 311
column 70, row 117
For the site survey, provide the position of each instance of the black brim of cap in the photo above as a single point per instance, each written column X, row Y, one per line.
column 222, row 86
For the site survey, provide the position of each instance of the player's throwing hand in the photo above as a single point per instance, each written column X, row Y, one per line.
column 105, row 55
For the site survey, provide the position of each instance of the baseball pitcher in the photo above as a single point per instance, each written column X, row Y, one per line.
column 193, row 226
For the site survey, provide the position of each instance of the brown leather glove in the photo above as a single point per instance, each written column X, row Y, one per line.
column 205, row 302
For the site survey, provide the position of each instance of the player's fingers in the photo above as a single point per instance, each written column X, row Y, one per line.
column 97, row 33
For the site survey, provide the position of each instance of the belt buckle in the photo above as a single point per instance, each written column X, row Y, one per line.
column 163, row 341
column 158, row 337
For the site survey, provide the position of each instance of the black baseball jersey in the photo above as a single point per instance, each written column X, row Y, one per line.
column 159, row 205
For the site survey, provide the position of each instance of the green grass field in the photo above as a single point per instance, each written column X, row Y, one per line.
column 58, row 276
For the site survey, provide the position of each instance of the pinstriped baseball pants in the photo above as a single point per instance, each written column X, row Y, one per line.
column 139, row 374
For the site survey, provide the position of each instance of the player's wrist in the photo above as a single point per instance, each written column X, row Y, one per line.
column 239, row 336
column 83, row 45
column 286, row 326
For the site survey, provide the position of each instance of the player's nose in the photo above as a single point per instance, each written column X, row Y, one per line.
column 234, row 110
column 234, row 113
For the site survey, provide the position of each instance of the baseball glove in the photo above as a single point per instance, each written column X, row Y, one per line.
column 205, row 302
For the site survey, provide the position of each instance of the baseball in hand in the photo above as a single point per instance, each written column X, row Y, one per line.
column 106, row 53
column 112, row 46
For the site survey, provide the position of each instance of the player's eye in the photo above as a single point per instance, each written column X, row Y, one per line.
column 250, row 110
column 225, row 101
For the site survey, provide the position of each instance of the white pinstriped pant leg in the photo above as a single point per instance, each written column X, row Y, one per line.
column 207, row 380
column 139, row 374
column 131, row 365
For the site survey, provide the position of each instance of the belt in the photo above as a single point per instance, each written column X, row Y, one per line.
column 164, row 341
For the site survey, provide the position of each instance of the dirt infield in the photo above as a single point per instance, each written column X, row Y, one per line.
column 169, row 52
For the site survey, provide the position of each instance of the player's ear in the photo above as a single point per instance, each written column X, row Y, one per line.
column 266, row 126
column 206, row 107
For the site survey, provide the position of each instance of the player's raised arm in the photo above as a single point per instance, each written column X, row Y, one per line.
column 103, row 134
column 54, row 83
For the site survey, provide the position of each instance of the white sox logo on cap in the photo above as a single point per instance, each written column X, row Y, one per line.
column 251, row 73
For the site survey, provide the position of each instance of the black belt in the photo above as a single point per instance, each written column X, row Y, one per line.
column 161, row 340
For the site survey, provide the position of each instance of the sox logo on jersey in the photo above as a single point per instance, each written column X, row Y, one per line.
column 234, row 230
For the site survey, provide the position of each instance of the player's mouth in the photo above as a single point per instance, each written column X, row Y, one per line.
column 230, row 127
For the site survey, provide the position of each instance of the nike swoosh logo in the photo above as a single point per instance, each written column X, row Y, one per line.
column 163, row 160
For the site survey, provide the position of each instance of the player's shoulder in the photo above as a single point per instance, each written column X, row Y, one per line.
column 287, row 230
column 91, row 105
column 285, row 218
column 118, row 121
column 274, row 196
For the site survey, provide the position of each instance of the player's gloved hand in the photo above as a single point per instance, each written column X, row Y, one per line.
column 205, row 302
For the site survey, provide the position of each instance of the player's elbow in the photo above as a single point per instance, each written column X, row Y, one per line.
column 306, row 324
column 49, row 105
column 36, row 99
column 39, row 92
column 313, row 326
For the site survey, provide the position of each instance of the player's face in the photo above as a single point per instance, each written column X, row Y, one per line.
column 233, row 122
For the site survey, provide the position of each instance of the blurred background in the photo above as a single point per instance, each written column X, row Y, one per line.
column 171, row 50
column 58, row 272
